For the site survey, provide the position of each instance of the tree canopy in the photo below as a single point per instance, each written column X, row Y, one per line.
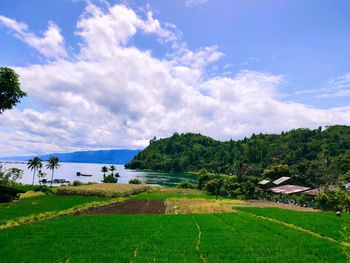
column 313, row 157
column 10, row 90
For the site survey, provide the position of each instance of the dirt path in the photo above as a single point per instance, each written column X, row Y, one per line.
column 132, row 206
column 198, row 243
column 262, row 203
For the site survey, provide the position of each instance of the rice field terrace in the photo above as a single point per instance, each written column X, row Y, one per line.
column 227, row 237
column 163, row 229
column 104, row 190
column 42, row 203
column 323, row 223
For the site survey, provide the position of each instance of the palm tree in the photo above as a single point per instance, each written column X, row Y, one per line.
column 104, row 170
column 34, row 165
column 112, row 168
column 52, row 164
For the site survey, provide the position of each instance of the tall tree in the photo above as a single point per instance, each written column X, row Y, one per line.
column 112, row 168
column 52, row 164
column 104, row 170
column 34, row 164
column 10, row 90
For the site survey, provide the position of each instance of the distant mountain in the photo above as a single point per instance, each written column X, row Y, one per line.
column 121, row 156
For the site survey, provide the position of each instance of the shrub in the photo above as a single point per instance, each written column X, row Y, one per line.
column 111, row 178
column 10, row 176
column 42, row 188
column 334, row 200
column 224, row 185
column 186, row 185
column 76, row 183
column 135, row 181
column 8, row 193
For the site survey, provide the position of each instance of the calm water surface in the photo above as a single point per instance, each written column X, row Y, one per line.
column 68, row 172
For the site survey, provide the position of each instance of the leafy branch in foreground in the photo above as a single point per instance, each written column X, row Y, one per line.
column 10, row 90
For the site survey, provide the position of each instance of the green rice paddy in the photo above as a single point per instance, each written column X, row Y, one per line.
column 39, row 204
column 323, row 223
column 232, row 237
column 226, row 237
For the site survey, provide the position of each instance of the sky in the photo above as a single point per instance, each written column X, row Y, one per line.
column 113, row 74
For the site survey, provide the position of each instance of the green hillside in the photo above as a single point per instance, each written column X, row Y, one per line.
column 312, row 156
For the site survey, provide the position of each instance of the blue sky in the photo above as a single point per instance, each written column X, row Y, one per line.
column 292, row 55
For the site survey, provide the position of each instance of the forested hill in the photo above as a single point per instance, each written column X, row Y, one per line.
column 303, row 150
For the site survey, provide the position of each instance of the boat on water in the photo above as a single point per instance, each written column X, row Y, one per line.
column 80, row 174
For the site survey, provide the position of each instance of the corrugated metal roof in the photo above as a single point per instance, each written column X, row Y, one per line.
column 312, row 192
column 263, row 182
column 281, row 180
column 289, row 189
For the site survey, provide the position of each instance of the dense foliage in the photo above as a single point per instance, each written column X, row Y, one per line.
column 134, row 181
column 8, row 179
column 111, row 178
column 334, row 200
column 10, row 90
column 186, row 185
column 312, row 157
column 228, row 186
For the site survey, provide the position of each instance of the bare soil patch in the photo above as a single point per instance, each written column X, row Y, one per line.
column 132, row 206
column 262, row 203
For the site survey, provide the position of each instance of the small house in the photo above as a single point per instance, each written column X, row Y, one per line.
column 265, row 184
column 289, row 189
column 284, row 180
column 312, row 192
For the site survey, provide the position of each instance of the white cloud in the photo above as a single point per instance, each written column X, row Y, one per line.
column 113, row 94
column 194, row 2
column 50, row 45
column 338, row 87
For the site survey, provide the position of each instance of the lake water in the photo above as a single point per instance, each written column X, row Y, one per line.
column 68, row 171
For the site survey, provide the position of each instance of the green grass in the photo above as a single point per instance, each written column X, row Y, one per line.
column 232, row 237
column 40, row 204
column 324, row 223
column 171, row 195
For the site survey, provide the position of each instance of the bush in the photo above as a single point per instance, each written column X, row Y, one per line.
column 111, row 178
column 186, row 185
column 334, row 200
column 228, row 186
column 135, row 181
column 42, row 188
column 10, row 176
column 76, row 183
column 8, row 193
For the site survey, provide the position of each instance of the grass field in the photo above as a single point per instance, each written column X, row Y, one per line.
column 231, row 237
column 171, row 192
column 324, row 223
column 44, row 203
column 222, row 237
column 198, row 206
